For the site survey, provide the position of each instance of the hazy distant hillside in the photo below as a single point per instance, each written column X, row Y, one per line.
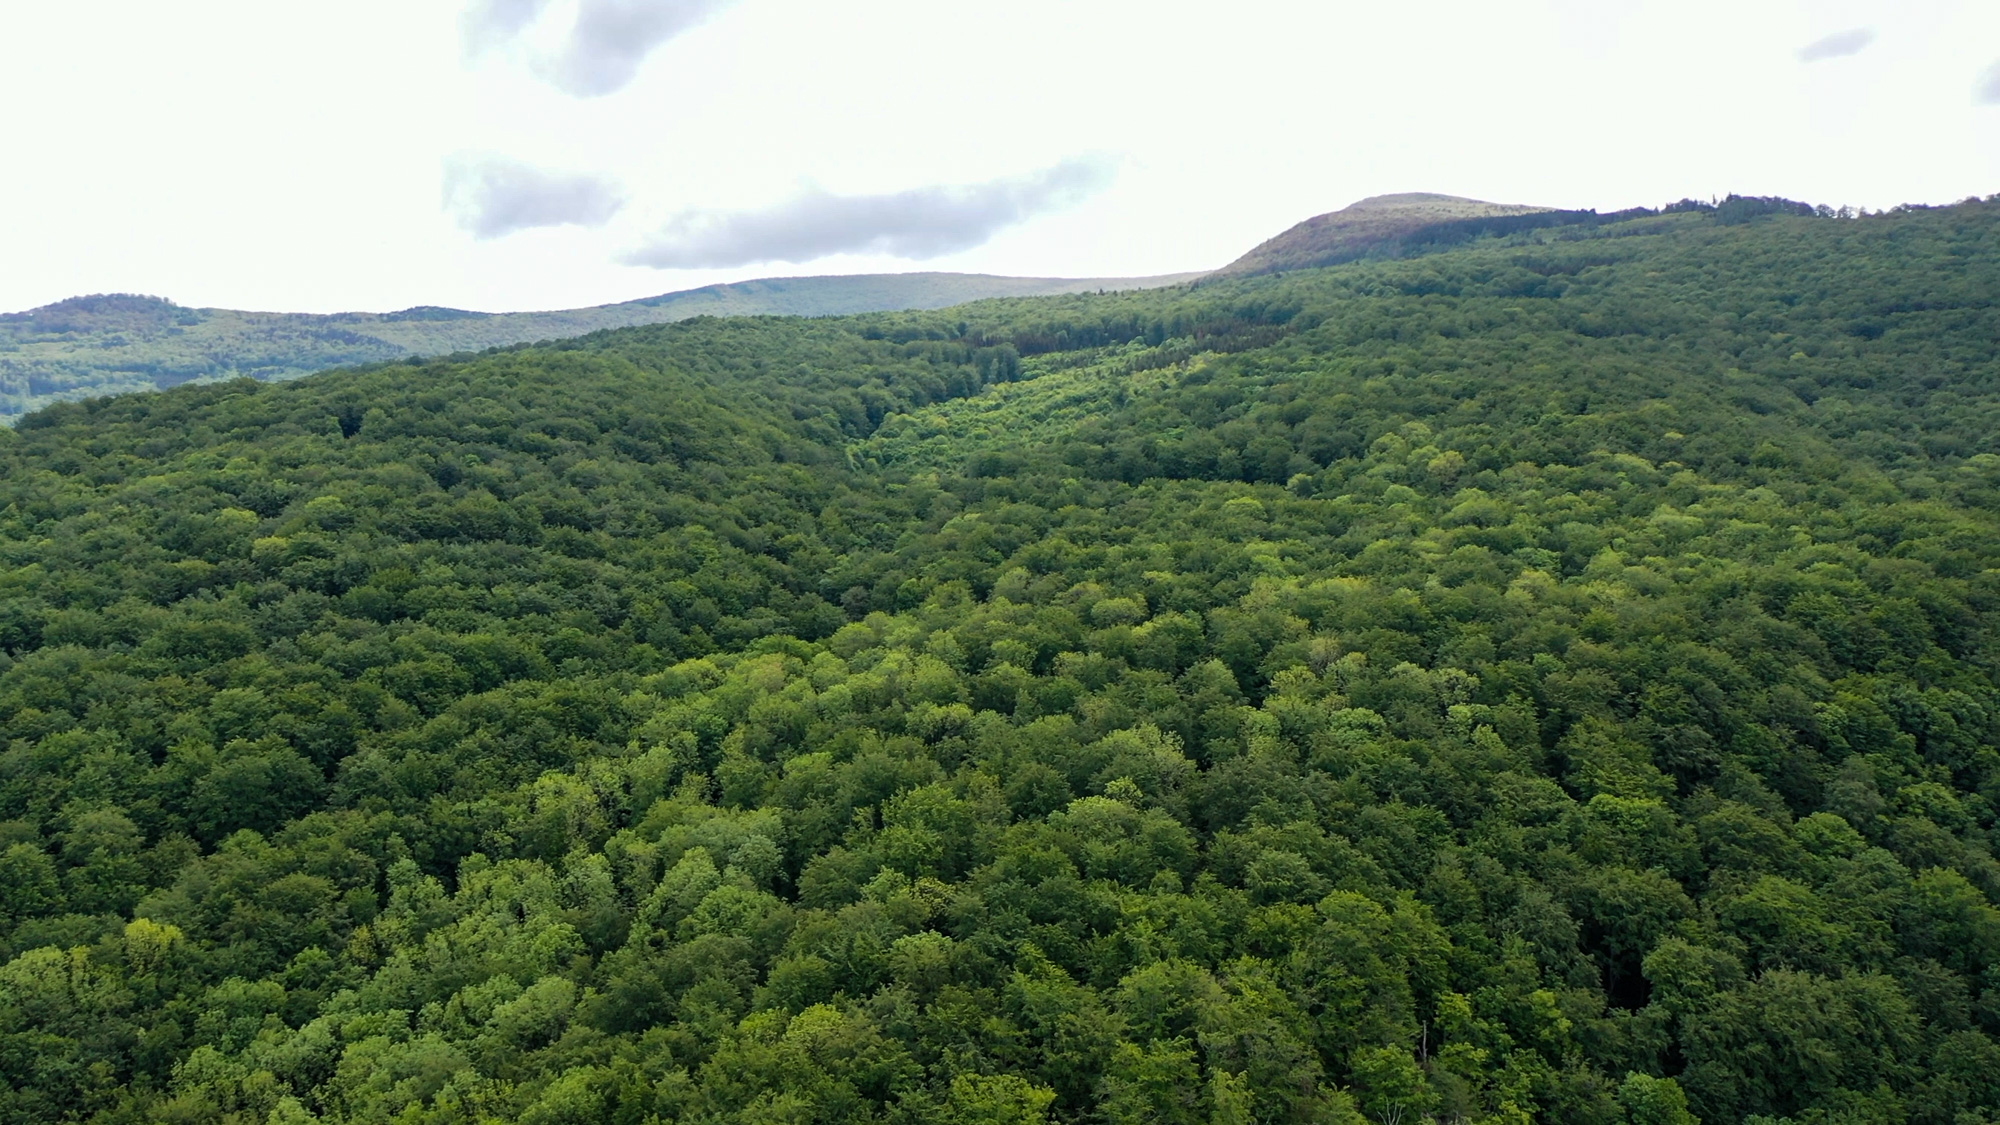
column 108, row 344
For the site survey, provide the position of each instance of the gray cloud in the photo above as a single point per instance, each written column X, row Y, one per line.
column 1988, row 90
column 493, row 196
column 486, row 24
column 603, row 50
column 1839, row 45
column 921, row 223
column 612, row 37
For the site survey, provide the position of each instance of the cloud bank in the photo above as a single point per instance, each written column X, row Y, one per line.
column 922, row 223
column 492, row 196
column 602, row 52
column 1988, row 90
column 1839, row 45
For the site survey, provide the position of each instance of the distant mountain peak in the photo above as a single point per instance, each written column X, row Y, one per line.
column 1405, row 199
column 1373, row 227
column 102, row 312
column 101, row 303
column 433, row 312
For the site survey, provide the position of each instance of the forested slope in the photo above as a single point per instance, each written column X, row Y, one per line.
column 121, row 343
column 1553, row 679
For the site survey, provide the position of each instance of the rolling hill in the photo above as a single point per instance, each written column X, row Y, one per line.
column 109, row 344
column 118, row 343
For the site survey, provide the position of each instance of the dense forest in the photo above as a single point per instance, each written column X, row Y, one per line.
column 1554, row 679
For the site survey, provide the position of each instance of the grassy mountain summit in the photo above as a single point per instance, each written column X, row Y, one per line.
column 1374, row 227
column 116, row 343
column 1551, row 677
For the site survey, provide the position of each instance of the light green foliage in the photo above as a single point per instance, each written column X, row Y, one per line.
column 1547, row 680
column 1654, row 1101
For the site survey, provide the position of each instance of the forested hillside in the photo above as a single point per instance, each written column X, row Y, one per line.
column 1552, row 679
column 122, row 343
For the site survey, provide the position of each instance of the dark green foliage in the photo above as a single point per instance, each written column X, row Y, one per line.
column 1551, row 680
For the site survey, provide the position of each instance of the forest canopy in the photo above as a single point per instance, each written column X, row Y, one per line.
column 1553, row 678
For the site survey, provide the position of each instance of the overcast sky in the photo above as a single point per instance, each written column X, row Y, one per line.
column 518, row 154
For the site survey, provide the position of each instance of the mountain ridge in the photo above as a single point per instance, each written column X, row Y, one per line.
column 112, row 343
column 119, row 342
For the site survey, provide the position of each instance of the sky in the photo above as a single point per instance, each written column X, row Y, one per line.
column 533, row 154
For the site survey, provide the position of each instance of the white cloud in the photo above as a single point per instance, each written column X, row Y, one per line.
column 487, row 24
column 603, row 49
column 924, row 222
